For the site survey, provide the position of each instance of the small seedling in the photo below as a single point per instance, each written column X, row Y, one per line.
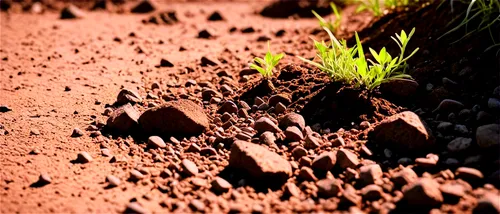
column 265, row 66
column 372, row 5
column 332, row 26
column 341, row 63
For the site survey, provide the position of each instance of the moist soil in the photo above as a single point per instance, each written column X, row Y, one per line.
column 59, row 75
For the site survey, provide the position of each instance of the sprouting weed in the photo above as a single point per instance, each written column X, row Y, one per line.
column 265, row 66
column 350, row 65
column 332, row 26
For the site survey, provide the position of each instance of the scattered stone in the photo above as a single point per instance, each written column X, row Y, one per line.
column 264, row 124
column 156, row 142
column 425, row 192
column 189, row 167
column 293, row 119
column 128, row 96
column 228, row 107
column 346, row 158
column 279, row 98
column 488, row 136
column 452, row 191
column 44, row 179
column 71, row 12
column 197, row 205
column 144, row 6
column 312, row 142
column 293, row 133
column 123, row 119
column 372, row 192
column 459, row 144
column 298, row 152
column 279, row 108
column 193, row 148
column 4, row 108
column 166, row 63
column 405, row 176
column 259, row 162
column 220, row 185
column 494, row 104
column 163, row 17
column 35, row 132
column 215, row 16
column 291, row 190
column 400, row 87
column 370, row 174
column 268, row 138
column 181, row 117
column 469, row 174
column 307, row 174
column 324, row 162
column 77, row 133
column 404, row 131
column 248, row 30
column 205, row 34
column 328, row 187
column 135, row 208
column 113, row 181
column 136, row 175
column 489, row 203
column 83, row 157
column 449, row 105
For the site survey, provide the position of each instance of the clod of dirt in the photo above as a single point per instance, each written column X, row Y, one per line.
column 165, row 17
column 145, row 6
column 404, row 131
column 123, row 119
column 4, row 108
column 72, row 12
column 128, row 96
column 260, row 163
column 182, row 117
column 215, row 16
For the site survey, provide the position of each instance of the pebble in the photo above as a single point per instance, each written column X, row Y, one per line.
column 449, row 105
column 346, row 158
column 370, row 174
column 113, row 181
column 279, row 108
column 372, row 192
column 293, row 133
column 293, row 119
column 425, row 192
column 189, row 167
column 494, row 104
column 268, row 138
column 307, row 174
column 135, row 175
column 488, row 136
column 453, row 191
column 77, row 133
column 44, row 178
column 156, row 142
column 4, row 108
column 105, row 152
column 83, row 157
column 488, row 203
column 128, row 96
column 324, row 162
column 328, row 188
column 311, row 142
column 469, row 174
column 220, row 185
column 264, row 124
column 459, row 144
column 290, row 190
column 197, row 205
column 123, row 119
column 135, row 208
column 298, row 152
column 34, row 132
column 404, row 176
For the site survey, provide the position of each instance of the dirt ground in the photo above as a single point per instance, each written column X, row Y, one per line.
column 57, row 75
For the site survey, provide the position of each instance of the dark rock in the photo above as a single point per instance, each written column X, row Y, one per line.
column 307, row 174
column 449, row 105
column 220, row 185
column 144, row 6
column 346, row 158
column 298, row 152
column 181, row 117
column 128, row 96
column 205, row 61
column 205, row 34
column 324, row 162
column 4, row 108
column 404, row 131
column 228, row 107
column 293, row 119
column 488, row 136
column 166, row 63
column 279, row 98
column 329, row 187
column 83, row 157
column 259, row 162
column 100, row 5
column 424, row 192
column 248, row 30
column 264, row 124
column 123, row 119
column 71, row 12
column 215, row 16
column 77, row 133
column 400, row 87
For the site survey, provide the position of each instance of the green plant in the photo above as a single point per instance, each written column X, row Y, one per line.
column 265, row 66
column 486, row 12
column 351, row 66
column 332, row 26
column 372, row 5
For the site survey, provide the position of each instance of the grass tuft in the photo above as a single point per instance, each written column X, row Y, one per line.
column 350, row 65
column 265, row 66
column 331, row 25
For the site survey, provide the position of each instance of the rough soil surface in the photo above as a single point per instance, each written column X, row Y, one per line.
column 149, row 107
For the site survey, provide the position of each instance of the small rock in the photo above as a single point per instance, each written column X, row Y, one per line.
column 449, row 105
column 72, row 12
column 166, row 63
column 312, row 142
column 488, row 136
column 279, row 108
column 205, row 34
column 265, row 124
column 405, row 176
column 259, row 162
column 123, row 119
column 370, row 174
column 469, row 174
column 220, row 185
column 424, row 192
column 128, row 96
column 293, row 133
column 293, row 119
column 34, row 132
column 215, row 16
column 489, row 203
column 298, row 152
column 189, row 167
column 135, row 208
column 113, row 181
column 346, row 158
column 193, row 148
column 4, row 108
column 459, row 144
column 77, row 133
column 197, row 205
column 291, row 190
column 324, row 162
column 156, row 142
column 182, row 117
column 144, row 6
column 44, row 179
column 404, row 131
column 268, row 138
column 247, row 30
column 328, row 188
column 452, row 191
column 279, row 98
column 228, row 107
column 400, row 87
column 83, row 157
column 372, row 192
column 135, row 175
column 494, row 104
column 307, row 174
